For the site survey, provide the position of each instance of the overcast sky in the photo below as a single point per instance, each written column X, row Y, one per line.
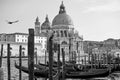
column 94, row 19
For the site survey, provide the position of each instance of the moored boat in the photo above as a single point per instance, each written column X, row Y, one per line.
column 67, row 67
column 91, row 73
column 37, row 73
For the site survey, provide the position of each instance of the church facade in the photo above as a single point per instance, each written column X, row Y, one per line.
column 64, row 34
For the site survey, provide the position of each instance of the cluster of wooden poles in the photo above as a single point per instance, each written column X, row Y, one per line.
column 50, row 51
column 8, row 62
column 31, row 58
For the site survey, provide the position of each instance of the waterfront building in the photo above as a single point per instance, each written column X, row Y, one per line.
column 118, row 43
column 17, row 39
column 106, row 51
column 109, row 41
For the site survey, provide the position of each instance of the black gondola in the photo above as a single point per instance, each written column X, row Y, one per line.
column 37, row 73
column 72, row 74
column 92, row 73
column 67, row 68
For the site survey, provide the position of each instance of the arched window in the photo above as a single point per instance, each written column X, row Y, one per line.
column 61, row 33
column 57, row 33
column 65, row 33
column 64, row 43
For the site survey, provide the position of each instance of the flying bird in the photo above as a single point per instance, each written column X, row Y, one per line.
column 11, row 22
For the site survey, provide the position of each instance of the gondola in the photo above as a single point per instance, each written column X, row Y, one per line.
column 67, row 68
column 44, row 67
column 43, row 73
column 91, row 73
column 54, row 64
column 88, row 73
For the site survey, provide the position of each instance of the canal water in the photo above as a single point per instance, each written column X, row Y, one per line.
column 15, row 72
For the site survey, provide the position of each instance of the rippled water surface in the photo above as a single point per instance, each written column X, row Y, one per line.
column 15, row 72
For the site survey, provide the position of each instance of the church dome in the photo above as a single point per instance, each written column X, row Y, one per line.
column 62, row 18
column 46, row 24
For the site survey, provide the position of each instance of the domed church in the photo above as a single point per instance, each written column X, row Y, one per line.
column 65, row 35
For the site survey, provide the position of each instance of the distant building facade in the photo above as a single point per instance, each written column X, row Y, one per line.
column 17, row 39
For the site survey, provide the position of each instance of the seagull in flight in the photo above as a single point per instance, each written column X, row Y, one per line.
column 11, row 22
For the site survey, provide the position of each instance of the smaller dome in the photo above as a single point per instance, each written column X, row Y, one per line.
column 46, row 24
column 37, row 21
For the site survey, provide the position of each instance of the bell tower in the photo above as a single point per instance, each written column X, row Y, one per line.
column 37, row 26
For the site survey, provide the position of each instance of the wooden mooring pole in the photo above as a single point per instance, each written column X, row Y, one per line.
column 58, row 61
column 85, row 62
column 8, row 61
column 50, row 57
column 1, row 69
column 31, row 54
column 45, row 56
column 63, row 61
column 20, row 62
column 1, row 55
column 1, row 74
column 45, row 61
